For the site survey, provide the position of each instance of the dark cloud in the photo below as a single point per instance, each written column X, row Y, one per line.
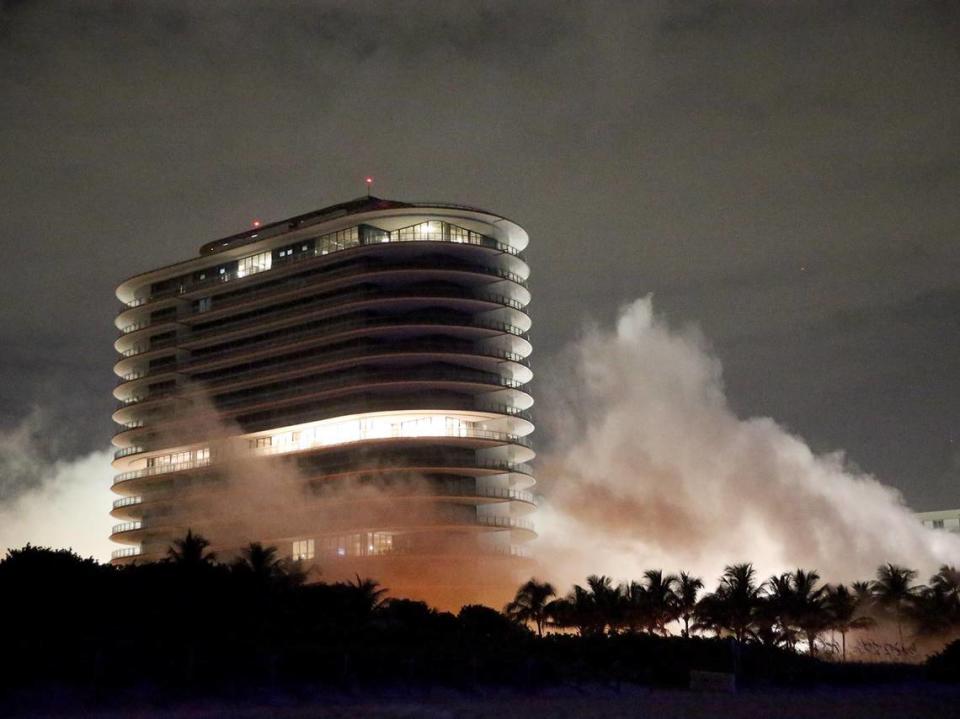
column 781, row 173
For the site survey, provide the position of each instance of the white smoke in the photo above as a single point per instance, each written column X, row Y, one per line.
column 68, row 509
column 654, row 470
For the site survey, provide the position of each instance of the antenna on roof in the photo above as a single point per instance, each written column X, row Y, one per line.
column 369, row 181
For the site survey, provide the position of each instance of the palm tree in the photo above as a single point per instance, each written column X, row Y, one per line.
column 893, row 590
column 530, row 604
column 577, row 610
column 687, row 589
column 864, row 592
column 776, row 613
column 635, row 612
column 808, row 610
column 842, row 606
column 366, row 595
column 947, row 582
column 607, row 602
column 936, row 608
column 661, row 599
column 191, row 551
column 738, row 596
column 261, row 562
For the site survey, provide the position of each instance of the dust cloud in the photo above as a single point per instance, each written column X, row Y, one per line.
column 652, row 468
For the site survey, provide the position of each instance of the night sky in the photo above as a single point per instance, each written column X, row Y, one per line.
column 782, row 174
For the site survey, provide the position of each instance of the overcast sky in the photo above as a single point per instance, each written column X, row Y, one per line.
column 782, row 174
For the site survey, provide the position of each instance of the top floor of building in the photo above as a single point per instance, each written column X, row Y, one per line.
column 363, row 221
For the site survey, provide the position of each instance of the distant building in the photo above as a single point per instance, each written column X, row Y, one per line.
column 948, row 519
column 346, row 385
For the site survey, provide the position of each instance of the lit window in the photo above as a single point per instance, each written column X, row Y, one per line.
column 253, row 264
column 302, row 549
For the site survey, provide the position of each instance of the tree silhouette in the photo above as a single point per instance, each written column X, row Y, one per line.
column 530, row 604
column 734, row 604
column 365, row 595
column 687, row 589
column 842, row 606
column 190, row 552
column 936, row 608
column 774, row 622
column 807, row 612
column 577, row 610
column 947, row 582
column 894, row 591
column 661, row 599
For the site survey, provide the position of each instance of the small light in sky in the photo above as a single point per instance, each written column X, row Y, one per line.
column 369, row 180
column 256, row 223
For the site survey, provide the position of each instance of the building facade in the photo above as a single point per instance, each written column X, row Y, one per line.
column 946, row 519
column 347, row 386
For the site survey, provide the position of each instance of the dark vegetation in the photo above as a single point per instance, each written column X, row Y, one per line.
column 194, row 624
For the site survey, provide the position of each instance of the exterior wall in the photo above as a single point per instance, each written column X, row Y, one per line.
column 348, row 386
column 947, row 519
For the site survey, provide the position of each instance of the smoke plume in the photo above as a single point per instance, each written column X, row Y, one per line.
column 653, row 469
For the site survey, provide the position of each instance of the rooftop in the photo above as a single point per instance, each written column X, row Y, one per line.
column 365, row 203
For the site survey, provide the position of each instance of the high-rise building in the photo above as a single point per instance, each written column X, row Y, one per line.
column 345, row 385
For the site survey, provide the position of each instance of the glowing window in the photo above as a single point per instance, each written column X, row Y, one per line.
column 253, row 264
column 302, row 549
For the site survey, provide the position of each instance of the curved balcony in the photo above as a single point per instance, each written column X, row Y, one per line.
column 506, row 522
column 354, row 381
column 461, row 433
column 349, row 302
column 326, row 332
column 125, row 527
column 339, row 304
column 128, row 451
column 482, row 466
column 126, row 553
column 159, row 469
column 281, row 263
column 127, row 502
column 330, row 408
column 151, row 347
column 284, row 406
column 329, row 359
column 121, row 532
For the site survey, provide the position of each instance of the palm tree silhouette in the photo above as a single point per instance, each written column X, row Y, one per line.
column 577, row 610
column 947, row 582
column 366, row 595
column 739, row 597
column 530, row 604
column 661, row 599
column 842, row 606
column 607, row 602
column 894, row 592
column 775, row 615
column 687, row 589
column 808, row 611
column 191, row 551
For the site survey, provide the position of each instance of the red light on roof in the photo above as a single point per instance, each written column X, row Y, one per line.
column 369, row 180
column 256, row 223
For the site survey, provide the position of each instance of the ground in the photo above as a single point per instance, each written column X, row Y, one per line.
column 900, row 701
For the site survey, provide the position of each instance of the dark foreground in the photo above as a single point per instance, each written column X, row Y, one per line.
column 917, row 699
